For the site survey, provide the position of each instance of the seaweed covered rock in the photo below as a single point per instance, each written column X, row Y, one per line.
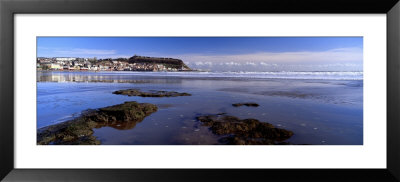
column 151, row 93
column 76, row 131
column 248, row 104
column 244, row 132
column 128, row 111
column 79, row 131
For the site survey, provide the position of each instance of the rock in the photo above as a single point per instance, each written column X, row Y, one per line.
column 79, row 131
column 244, row 132
column 249, row 104
column 152, row 93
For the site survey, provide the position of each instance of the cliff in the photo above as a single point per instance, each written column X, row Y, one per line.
column 167, row 62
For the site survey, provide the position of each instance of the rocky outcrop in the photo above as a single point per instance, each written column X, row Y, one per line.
column 244, row 132
column 79, row 131
column 248, row 104
column 151, row 93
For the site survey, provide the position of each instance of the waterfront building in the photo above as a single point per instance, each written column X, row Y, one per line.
column 65, row 59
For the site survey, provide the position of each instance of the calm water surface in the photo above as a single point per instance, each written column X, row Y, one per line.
column 318, row 111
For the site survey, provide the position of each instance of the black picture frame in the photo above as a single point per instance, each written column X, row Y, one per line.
column 8, row 8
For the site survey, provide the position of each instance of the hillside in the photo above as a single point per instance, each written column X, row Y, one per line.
column 167, row 62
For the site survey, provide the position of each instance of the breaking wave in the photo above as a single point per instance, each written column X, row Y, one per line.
column 318, row 75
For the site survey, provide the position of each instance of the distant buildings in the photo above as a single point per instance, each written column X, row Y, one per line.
column 65, row 59
column 92, row 64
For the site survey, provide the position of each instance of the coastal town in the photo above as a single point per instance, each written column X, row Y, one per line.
column 135, row 63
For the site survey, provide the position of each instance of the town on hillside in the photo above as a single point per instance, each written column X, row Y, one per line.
column 135, row 63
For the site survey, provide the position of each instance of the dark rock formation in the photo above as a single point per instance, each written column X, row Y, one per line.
column 79, row 131
column 151, row 93
column 249, row 104
column 244, row 132
column 167, row 62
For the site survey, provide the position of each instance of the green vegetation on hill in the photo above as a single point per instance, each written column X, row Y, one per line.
column 167, row 62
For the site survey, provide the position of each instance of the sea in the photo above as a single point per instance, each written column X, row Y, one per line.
column 320, row 107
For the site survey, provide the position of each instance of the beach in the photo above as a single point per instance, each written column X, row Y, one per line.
column 320, row 108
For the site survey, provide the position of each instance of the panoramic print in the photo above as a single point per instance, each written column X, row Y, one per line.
column 199, row 90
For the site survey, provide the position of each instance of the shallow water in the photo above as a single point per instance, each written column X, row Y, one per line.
column 318, row 111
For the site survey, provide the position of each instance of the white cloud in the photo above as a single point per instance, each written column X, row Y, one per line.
column 199, row 63
column 340, row 55
column 342, row 59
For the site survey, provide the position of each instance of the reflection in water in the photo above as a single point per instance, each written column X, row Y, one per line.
column 119, row 125
column 52, row 76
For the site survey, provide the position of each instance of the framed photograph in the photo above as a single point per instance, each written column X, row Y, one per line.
column 131, row 90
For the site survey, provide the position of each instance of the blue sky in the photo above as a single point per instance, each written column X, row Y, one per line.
column 337, row 53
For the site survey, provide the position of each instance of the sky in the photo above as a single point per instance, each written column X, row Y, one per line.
column 220, row 53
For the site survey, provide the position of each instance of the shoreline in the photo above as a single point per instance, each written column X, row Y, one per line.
column 208, row 71
column 340, row 76
column 115, row 71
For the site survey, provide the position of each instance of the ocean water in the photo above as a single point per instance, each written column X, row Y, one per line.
column 321, row 108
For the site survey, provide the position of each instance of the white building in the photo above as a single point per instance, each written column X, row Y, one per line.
column 65, row 59
column 55, row 66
